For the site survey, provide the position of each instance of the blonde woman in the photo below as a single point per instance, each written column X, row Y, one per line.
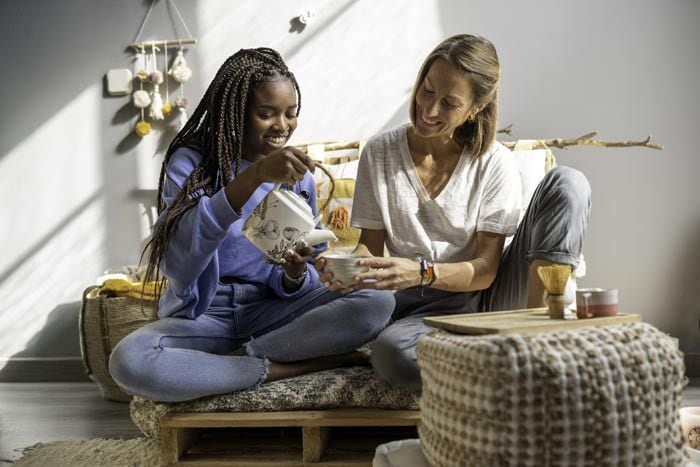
column 442, row 195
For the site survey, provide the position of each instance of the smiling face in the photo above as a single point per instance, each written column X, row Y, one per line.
column 443, row 101
column 271, row 118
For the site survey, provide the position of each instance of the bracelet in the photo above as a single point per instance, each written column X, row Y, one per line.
column 295, row 280
column 427, row 274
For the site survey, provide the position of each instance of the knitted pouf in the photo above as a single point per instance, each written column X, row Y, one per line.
column 599, row 396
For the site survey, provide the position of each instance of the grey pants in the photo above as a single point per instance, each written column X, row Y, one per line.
column 553, row 230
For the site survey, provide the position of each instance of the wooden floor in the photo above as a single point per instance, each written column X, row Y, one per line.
column 41, row 412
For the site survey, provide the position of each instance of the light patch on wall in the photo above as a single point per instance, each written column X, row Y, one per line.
column 54, row 235
column 356, row 76
column 226, row 27
column 54, row 169
column 149, row 163
column 355, row 65
column 56, row 272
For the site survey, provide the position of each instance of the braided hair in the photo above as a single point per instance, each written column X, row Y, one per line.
column 216, row 130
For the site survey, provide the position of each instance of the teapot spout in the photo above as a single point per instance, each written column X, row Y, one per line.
column 317, row 236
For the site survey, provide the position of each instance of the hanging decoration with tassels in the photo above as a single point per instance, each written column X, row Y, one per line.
column 141, row 97
column 181, row 73
column 155, row 77
column 148, row 74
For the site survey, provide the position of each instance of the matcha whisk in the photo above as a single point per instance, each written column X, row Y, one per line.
column 554, row 278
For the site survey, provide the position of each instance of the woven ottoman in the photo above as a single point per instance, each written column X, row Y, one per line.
column 338, row 415
column 599, row 396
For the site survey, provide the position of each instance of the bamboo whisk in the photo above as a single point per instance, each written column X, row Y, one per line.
column 554, row 278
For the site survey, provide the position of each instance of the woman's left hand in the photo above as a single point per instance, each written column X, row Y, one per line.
column 389, row 274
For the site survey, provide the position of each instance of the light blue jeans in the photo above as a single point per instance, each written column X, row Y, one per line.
column 553, row 229
column 175, row 359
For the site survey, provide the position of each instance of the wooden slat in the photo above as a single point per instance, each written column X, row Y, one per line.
column 348, row 460
column 519, row 321
column 234, row 462
column 340, row 417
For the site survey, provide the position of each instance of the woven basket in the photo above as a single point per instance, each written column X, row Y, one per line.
column 603, row 396
column 104, row 321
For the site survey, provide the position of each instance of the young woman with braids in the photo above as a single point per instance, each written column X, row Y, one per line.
column 442, row 194
column 221, row 294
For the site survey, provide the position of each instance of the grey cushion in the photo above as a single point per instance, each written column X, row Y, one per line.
column 355, row 387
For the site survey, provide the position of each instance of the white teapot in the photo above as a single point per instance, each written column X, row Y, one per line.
column 280, row 222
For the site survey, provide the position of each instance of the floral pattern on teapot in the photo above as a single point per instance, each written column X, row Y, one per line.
column 280, row 222
column 256, row 226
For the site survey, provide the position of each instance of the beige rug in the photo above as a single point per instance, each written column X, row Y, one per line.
column 137, row 452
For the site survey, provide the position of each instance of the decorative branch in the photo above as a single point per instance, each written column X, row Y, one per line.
column 507, row 130
column 330, row 145
column 587, row 140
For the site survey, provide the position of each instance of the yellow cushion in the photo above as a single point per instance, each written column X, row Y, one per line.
column 336, row 216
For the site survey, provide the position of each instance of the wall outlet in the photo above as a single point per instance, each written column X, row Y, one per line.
column 119, row 82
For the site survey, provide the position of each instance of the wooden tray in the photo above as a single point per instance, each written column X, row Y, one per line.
column 517, row 321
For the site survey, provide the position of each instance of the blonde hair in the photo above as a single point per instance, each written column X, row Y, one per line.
column 477, row 58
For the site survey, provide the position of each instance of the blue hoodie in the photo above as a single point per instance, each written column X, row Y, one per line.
column 208, row 244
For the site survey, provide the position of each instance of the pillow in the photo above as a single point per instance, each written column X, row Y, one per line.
column 336, row 215
column 532, row 165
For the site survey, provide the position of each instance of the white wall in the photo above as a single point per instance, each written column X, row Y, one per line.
column 627, row 69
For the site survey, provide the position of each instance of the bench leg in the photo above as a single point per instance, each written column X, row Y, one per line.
column 176, row 441
column 314, row 439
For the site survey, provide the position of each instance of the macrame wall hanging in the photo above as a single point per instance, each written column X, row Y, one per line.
column 150, row 57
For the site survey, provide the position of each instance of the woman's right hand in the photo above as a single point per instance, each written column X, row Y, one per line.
column 286, row 165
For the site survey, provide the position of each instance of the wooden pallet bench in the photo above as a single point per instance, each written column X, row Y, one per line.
column 338, row 438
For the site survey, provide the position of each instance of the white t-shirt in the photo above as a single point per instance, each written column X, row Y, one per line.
column 483, row 195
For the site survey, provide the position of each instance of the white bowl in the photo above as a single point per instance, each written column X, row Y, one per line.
column 690, row 423
column 693, row 455
column 344, row 266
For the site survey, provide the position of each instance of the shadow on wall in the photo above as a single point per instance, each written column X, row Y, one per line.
column 53, row 353
column 67, row 51
column 687, row 303
column 53, row 233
